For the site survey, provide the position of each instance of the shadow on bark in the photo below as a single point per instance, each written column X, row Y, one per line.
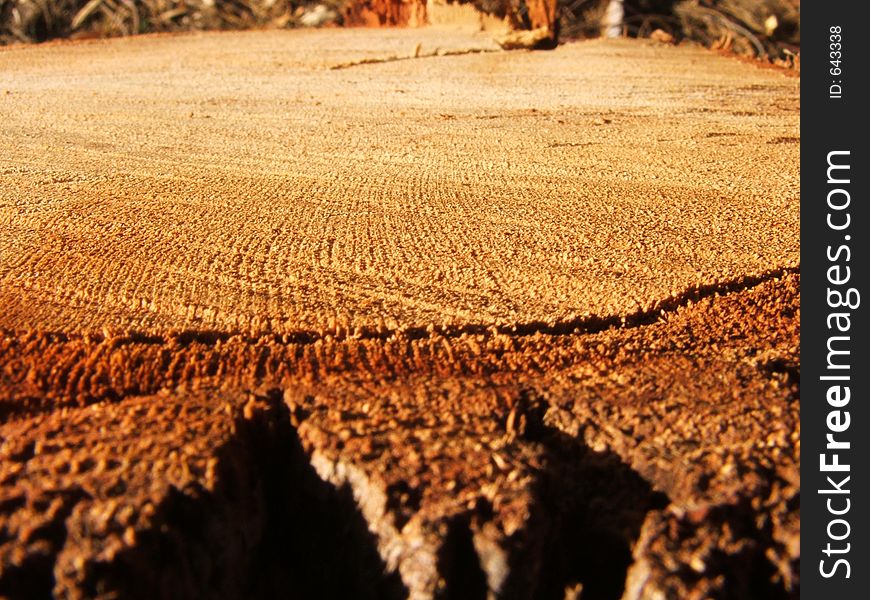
column 588, row 511
column 272, row 529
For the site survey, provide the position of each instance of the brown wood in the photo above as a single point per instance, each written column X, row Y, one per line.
column 538, row 14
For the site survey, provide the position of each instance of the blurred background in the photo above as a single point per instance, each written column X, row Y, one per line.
column 768, row 29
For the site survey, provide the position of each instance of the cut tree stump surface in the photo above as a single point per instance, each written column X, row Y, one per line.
column 398, row 305
column 234, row 183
